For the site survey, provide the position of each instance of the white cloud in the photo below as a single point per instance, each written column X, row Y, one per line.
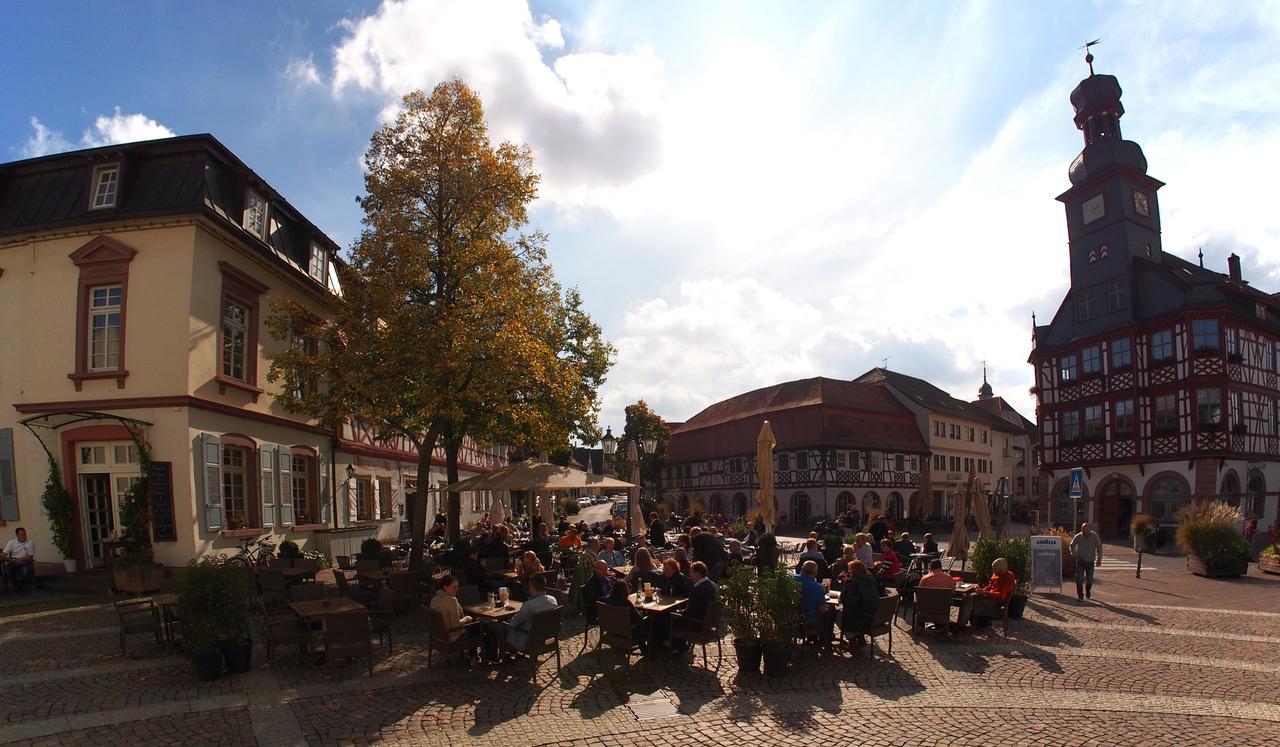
column 589, row 116
column 106, row 130
column 302, row 73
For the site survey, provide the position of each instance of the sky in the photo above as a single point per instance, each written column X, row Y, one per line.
column 745, row 193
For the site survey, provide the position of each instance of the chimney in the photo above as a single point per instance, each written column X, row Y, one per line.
column 1233, row 267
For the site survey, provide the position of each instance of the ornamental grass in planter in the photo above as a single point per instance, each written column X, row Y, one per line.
column 1207, row 533
column 1269, row 558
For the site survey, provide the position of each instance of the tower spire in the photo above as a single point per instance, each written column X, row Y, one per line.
column 1088, row 54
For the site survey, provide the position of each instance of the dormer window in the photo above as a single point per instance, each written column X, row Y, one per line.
column 106, row 186
column 255, row 214
column 317, row 267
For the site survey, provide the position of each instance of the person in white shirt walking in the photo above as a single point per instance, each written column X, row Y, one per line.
column 1086, row 546
column 20, row 557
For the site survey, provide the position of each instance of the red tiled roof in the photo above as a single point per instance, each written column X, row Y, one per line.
column 805, row 413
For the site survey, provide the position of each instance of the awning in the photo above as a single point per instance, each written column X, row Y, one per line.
column 53, row 421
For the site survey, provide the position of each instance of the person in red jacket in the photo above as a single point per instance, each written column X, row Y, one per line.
column 889, row 565
column 989, row 601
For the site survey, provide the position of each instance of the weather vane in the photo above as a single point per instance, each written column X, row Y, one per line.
column 1088, row 56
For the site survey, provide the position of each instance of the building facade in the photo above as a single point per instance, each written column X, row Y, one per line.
column 1157, row 376
column 135, row 281
column 840, row 446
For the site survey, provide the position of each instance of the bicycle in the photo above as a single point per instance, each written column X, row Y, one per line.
column 251, row 559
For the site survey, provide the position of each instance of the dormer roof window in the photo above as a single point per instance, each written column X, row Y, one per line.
column 106, row 186
column 255, row 214
column 318, row 261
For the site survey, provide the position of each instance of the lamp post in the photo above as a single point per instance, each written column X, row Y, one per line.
column 643, row 446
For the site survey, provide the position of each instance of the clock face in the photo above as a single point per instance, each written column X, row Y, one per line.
column 1093, row 209
column 1142, row 204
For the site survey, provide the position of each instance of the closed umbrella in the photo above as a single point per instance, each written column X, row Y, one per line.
column 981, row 511
column 764, row 468
column 959, row 547
column 636, row 527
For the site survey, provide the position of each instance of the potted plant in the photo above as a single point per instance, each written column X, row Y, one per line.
column 778, row 608
column 832, row 547
column 738, row 597
column 59, row 506
column 1207, row 534
column 370, row 548
column 1269, row 558
column 1015, row 550
column 212, row 604
column 288, row 551
column 1144, row 530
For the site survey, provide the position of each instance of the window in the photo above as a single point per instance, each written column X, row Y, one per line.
column 106, row 186
column 1208, row 407
column 899, row 462
column 855, row 460
column 1067, row 368
column 1260, row 311
column 300, row 489
column 1121, row 354
column 784, row 462
column 1204, row 335
column 1168, row 494
column 126, row 454
column 1237, row 411
column 1117, row 295
column 1093, row 423
column 1166, row 417
column 915, row 464
column 384, row 498
column 842, row 460
column 802, row 460
column 1124, row 418
column 235, row 329
column 955, row 464
column 955, row 431
column 972, row 434
column 364, row 499
column 968, row 464
column 104, row 327
column 939, row 462
column 984, row 437
column 1084, row 306
column 306, row 383
column 318, row 264
column 93, row 455
column 1162, row 346
column 939, row 428
column 1070, row 427
column 255, row 214
column 1091, row 360
column 234, row 502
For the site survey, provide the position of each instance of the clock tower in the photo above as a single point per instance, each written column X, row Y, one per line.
column 1113, row 216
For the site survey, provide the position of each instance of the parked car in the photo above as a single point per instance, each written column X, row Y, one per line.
column 620, row 509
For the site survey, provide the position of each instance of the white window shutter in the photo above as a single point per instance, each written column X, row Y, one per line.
column 284, row 460
column 211, row 463
column 8, row 478
column 322, row 467
column 267, row 473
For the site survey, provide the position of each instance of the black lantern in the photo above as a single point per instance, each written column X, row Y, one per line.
column 351, row 472
column 609, row 442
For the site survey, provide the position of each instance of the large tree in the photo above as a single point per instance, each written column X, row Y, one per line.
column 643, row 423
column 450, row 320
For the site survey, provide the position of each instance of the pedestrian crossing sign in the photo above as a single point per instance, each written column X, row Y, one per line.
column 1077, row 483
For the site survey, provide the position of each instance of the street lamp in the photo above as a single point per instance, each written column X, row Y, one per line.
column 351, row 472
column 609, row 442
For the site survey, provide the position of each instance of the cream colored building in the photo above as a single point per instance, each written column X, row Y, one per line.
column 134, row 285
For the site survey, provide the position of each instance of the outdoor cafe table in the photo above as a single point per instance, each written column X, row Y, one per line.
column 659, row 604
column 322, row 607
column 920, row 560
column 292, row 575
column 490, row 612
column 620, row 570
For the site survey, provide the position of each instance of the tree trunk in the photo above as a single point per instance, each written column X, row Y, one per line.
column 451, row 448
column 419, row 513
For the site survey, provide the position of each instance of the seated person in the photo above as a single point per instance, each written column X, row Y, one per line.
column 701, row 596
column 592, row 553
column 20, row 557
column 474, row 570
column 735, row 553
column 562, row 526
column 813, row 601
column 707, row 548
column 936, row 578
column 862, row 546
column 570, row 540
column 930, row 546
column 446, row 600
column 620, row 596
column 858, row 602
column 811, row 552
column 611, row 556
column 673, row 582
column 991, row 598
column 643, row 570
column 519, row 625
column 596, row 589
column 888, row 567
column 541, row 543
column 529, row 568
column 681, row 556
column 904, row 547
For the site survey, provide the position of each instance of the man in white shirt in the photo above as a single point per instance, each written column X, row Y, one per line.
column 20, row 554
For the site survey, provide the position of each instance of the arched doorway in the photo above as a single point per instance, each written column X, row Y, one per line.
column 1257, row 492
column 684, row 505
column 845, row 502
column 800, row 510
column 740, row 504
column 895, row 507
column 1231, row 488
column 1115, row 506
column 1167, row 494
column 869, row 501
column 715, row 506
column 1060, row 503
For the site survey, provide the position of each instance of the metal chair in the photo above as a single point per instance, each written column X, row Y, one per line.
column 438, row 637
column 346, row 636
column 136, row 616
column 282, row 627
column 615, row 630
column 380, row 614
column 708, row 630
column 345, row 563
column 882, row 623
column 544, row 637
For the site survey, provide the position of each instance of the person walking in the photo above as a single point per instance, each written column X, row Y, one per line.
column 1086, row 547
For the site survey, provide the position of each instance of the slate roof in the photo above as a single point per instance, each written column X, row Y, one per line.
column 932, row 398
column 816, row 412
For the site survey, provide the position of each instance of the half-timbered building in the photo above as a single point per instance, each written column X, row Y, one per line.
column 1156, row 375
column 840, row 446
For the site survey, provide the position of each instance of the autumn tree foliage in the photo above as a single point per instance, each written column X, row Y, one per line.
column 451, row 323
column 643, row 423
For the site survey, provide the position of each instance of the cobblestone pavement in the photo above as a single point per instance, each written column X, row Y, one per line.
column 1166, row 659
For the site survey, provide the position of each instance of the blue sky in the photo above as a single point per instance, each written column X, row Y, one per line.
column 745, row 192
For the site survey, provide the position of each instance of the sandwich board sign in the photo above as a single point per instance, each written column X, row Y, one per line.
column 1046, row 561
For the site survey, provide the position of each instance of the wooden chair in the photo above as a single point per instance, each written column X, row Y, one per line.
column 544, row 637
column 307, row 564
column 707, row 632
column 438, row 637
column 931, row 606
column 615, row 630
column 282, row 627
column 275, row 589
column 882, row 623
column 346, row 636
column 992, row 608
column 404, row 588
column 359, row 593
column 136, row 616
column 366, row 565
column 345, row 563
column 381, row 611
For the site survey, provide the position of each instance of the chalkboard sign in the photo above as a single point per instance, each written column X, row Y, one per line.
column 163, row 527
column 1046, row 561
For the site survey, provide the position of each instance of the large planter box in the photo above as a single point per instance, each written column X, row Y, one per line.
column 1269, row 564
column 1198, row 567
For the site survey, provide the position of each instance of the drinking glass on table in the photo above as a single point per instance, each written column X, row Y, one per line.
column 503, row 595
column 826, row 584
